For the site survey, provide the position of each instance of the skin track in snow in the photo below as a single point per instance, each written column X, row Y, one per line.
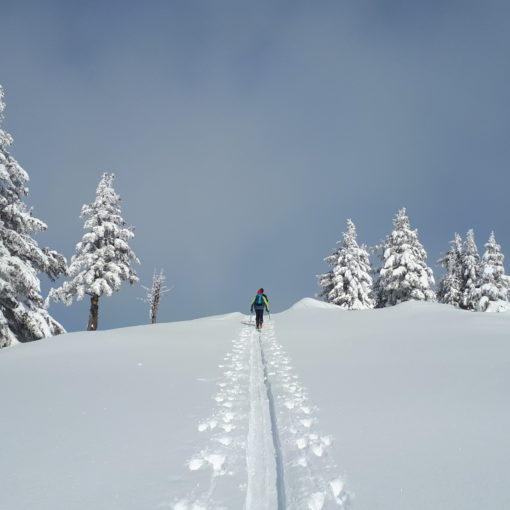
column 310, row 474
column 262, row 491
column 262, row 449
column 280, row 478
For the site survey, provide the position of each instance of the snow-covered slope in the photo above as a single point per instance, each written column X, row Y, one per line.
column 407, row 405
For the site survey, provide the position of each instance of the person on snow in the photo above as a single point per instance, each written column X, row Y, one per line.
column 259, row 303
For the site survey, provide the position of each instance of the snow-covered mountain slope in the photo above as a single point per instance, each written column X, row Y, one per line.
column 406, row 405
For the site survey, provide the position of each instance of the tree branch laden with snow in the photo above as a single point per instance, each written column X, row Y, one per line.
column 451, row 289
column 23, row 316
column 494, row 284
column 470, row 272
column 103, row 257
column 348, row 284
column 404, row 274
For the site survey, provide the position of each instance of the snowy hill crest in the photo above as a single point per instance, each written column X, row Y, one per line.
column 179, row 414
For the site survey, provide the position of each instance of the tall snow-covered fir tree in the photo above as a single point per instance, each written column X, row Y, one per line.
column 470, row 272
column 22, row 314
column 493, row 284
column 450, row 289
column 350, row 281
column 404, row 274
column 103, row 257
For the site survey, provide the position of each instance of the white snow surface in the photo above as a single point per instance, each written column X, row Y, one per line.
column 314, row 303
column 498, row 306
column 404, row 407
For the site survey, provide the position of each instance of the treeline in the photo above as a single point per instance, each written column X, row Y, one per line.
column 103, row 259
column 470, row 282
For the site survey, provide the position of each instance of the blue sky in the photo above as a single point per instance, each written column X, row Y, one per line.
column 244, row 134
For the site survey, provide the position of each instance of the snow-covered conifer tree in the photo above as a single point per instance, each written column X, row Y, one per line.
column 103, row 257
column 404, row 274
column 470, row 272
column 153, row 296
column 22, row 313
column 493, row 285
column 326, row 280
column 450, row 289
column 351, row 283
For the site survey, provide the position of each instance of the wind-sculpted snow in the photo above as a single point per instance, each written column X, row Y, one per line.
column 262, row 448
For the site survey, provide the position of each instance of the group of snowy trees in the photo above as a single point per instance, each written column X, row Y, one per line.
column 469, row 282
column 103, row 258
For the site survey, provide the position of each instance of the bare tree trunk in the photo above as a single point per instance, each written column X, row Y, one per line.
column 154, row 307
column 94, row 313
column 154, row 294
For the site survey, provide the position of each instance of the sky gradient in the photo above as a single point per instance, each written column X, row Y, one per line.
column 244, row 134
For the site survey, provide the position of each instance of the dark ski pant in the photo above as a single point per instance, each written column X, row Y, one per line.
column 259, row 316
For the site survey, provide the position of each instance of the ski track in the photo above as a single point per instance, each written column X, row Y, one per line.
column 262, row 449
column 262, row 488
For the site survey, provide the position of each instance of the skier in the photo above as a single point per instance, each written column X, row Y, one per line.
column 259, row 303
